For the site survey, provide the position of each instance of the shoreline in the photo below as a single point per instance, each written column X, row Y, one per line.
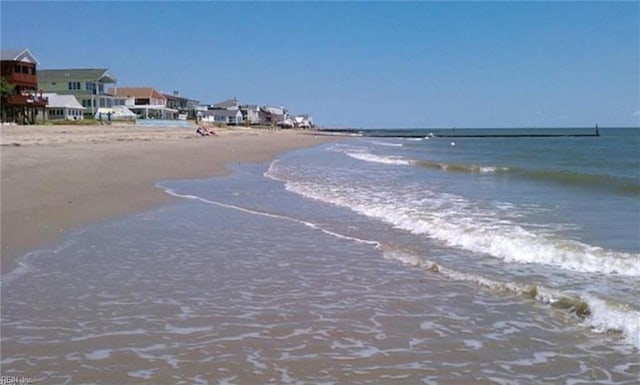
column 58, row 178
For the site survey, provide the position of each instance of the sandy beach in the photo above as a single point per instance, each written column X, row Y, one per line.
column 56, row 178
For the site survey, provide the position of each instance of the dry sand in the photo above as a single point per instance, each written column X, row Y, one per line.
column 56, row 178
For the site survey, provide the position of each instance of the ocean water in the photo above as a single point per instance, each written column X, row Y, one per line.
column 364, row 261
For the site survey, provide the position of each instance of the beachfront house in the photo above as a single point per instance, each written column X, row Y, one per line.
column 187, row 108
column 230, row 117
column 145, row 102
column 20, row 99
column 253, row 115
column 277, row 116
column 302, row 121
column 63, row 107
column 86, row 84
column 226, row 112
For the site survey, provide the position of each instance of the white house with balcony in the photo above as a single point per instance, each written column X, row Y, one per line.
column 145, row 102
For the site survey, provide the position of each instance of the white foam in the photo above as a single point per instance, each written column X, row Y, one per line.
column 118, row 333
column 369, row 157
column 386, row 144
column 270, row 215
column 187, row 330
column 98, row 354
column 25, row 263
column 459, row 223
column 473, row 344
column 142, row 373
column 227, row 380
column 605, row 317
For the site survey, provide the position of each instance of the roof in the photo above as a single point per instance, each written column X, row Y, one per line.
column 63, row 101
column 18, row 55
column 225, row 113
column 96, row 74
column 227, row 103
column 275, row 110
column 136, row 92
column 175, row 97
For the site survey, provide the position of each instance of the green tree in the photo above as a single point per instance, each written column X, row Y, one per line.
column 6, row 88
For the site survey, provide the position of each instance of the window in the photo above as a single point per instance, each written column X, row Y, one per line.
column 74, row 85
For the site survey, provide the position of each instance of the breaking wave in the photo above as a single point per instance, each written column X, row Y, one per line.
column 462, row 168
column 622, row 185
column 367, row 156
column 595, row 313
column 460, row 223
column 370, row 157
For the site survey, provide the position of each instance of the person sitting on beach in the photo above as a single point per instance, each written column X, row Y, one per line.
column 202, row 131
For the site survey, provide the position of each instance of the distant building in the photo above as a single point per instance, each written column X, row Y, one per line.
column 231, row 117
column 302, row 121
column 231, row 104
column 277, row 116
column 253, row 115
column 21, row 98
column 185, row 107
column 86, row 84
column 63, row 107
column 146, row 102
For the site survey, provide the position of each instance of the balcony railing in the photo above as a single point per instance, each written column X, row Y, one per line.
column 26, row 100
column 20, row 78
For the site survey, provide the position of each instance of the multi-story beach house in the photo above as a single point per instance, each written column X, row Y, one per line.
column 278, row 116
column 231, row 117
column 226, row 112
column 187, row 108
column 252, row 114
column 86, row 84
column 146, row 102
column 21, row 98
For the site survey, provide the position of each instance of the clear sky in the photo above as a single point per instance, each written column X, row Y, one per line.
column 359, row 64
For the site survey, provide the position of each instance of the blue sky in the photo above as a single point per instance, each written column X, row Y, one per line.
column 359, row 64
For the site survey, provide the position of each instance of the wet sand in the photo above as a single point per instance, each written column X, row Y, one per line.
column 56, row 178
